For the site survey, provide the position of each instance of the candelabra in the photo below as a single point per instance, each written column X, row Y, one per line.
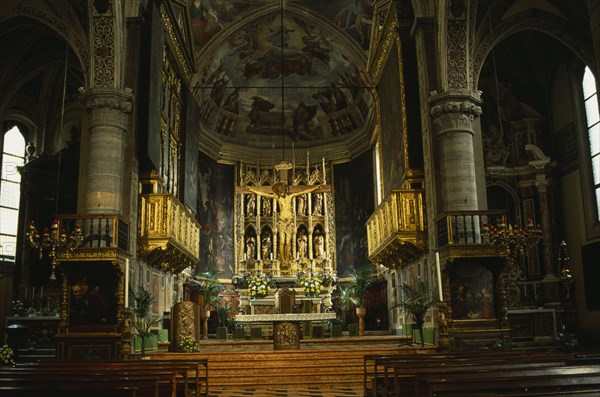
column 564, row 262
column 52, row 241
column 512, row 242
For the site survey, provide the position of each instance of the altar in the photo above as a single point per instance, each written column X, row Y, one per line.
column 286, row 327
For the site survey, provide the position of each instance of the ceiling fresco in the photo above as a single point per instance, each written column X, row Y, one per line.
column 258, row 57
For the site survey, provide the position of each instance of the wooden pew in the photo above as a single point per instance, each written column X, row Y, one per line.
column 190, row 372
column 379, row 370
column 158, row 374
column 43, row 382
column 568, row 380
column 403, row 379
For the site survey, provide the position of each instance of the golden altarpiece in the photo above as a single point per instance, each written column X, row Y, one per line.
column 284, row 228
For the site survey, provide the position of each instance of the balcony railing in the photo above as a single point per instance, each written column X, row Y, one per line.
column 104, row 235
column 169, row 235
column 396, row 230
column 461, row 232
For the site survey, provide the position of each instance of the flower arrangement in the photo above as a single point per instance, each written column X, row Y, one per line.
column 258, row 287
column 188, row 344
column 6, row 355
column 312, row 284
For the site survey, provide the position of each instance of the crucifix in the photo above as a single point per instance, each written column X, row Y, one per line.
column 284, row 193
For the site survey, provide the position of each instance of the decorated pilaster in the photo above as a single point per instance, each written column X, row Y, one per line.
column 109, row 110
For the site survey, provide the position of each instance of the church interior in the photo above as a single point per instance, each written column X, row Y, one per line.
column 214, row 183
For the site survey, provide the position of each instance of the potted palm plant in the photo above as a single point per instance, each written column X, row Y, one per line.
column 361, row 280
column 416, row 301
column 142, row 320
column 207, row 284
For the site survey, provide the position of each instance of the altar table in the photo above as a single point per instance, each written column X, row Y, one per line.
column 286, row 327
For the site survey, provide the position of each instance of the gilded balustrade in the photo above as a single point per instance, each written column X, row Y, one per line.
column 396, row 229
column 168, row 234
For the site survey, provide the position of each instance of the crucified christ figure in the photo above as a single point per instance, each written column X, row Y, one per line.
column 285, row 224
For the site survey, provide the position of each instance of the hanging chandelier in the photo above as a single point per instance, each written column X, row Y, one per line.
column 53, row 241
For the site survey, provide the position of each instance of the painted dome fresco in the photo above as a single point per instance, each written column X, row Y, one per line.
column 282, row 71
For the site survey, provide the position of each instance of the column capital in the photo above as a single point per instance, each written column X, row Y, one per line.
column 108, row 98
column 108, row 107
column 455, row 101
column 455, row 110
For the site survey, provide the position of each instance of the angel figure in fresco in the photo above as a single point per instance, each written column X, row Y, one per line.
column 285, row 221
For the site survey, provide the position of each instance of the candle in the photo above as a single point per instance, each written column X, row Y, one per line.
column 307, row 162
column 439, row 275
column 126, row 282
column 271, row 256
column 241, row 172
column 324, row 182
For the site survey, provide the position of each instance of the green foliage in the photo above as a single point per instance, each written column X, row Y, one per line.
column 361, row 280
column 416, row 301
column 143, row 321
column 208, row 285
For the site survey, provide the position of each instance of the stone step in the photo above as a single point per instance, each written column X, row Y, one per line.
column 256, row 365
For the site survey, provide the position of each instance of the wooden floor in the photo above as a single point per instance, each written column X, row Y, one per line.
column 325, row 367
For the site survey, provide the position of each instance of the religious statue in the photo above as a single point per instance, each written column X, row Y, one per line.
column 301, row 205
column 251, row 248
column 285, row 224
column 265, row 245
column 318, row 204
column 302, row 246
column 266, row 207
column 319, row 243
column 250, row 205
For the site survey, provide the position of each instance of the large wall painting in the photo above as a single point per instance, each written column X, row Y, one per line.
column 472, row 290
column 354, row 202
column 215, row 214
column 392, row 147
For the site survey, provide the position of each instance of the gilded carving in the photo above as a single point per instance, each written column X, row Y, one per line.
column 170, row 31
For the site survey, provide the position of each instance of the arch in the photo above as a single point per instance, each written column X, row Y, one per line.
column 69, row 30
column 551, row 25
column 514, row 200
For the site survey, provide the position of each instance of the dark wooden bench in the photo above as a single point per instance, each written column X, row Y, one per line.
column 43, row 382
column 568, row 380
column 379, row 370
column 176, row 375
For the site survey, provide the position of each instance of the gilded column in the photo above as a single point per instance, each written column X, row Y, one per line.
column 109, row 110
column 454, row 115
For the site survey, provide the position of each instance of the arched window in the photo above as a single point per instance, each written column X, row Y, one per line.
column 13, row 154
column 590, row 97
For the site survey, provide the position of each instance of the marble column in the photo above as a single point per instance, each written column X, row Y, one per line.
column 454, row 116
column 109, row 110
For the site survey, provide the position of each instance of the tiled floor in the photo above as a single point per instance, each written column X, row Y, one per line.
column 309, row 392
